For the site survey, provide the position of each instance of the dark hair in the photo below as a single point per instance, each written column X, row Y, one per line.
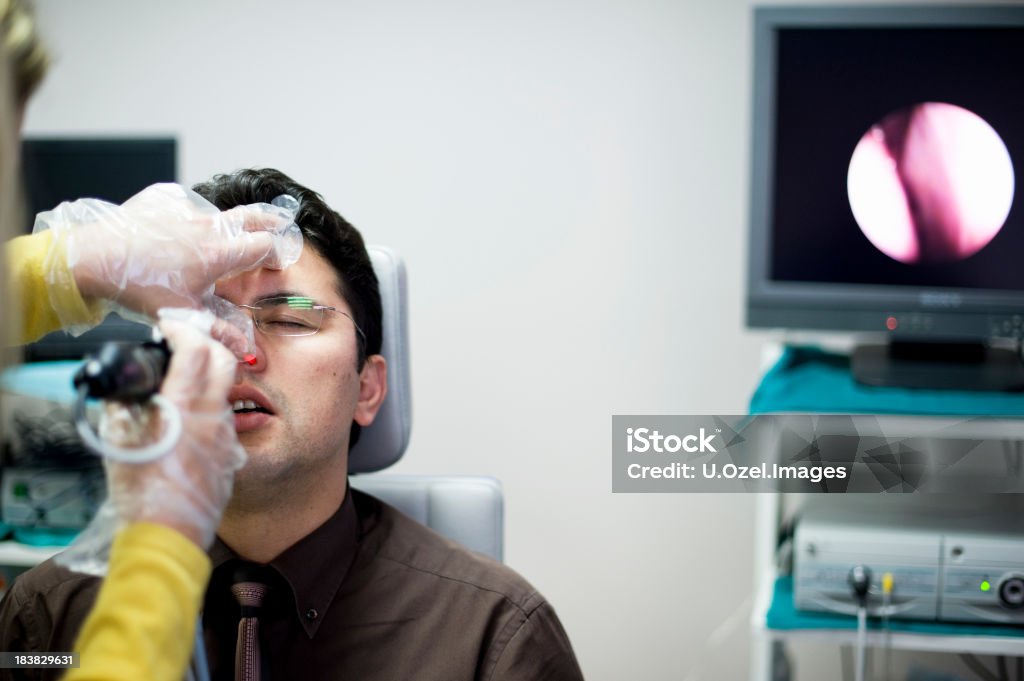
column 329, row 234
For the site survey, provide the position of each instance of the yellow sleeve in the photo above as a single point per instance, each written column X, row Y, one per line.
column 27, row 261
column 143, row 623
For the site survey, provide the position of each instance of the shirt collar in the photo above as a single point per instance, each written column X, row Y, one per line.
column 315, row 566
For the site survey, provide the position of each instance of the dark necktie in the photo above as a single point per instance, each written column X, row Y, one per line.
column 250, row 596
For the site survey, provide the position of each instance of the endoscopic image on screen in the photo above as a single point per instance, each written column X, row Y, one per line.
column 931, row 183
column 895, row 157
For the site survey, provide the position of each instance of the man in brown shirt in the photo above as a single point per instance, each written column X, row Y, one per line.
column 355, row 589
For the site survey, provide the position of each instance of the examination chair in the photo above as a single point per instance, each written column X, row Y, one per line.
column 469, row 510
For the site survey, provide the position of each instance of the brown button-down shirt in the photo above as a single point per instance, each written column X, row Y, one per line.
column 369, row 595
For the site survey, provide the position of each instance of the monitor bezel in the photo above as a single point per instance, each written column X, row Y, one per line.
column 950, row 312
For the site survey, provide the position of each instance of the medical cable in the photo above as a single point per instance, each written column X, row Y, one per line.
column 199, row 669
column 860, row 581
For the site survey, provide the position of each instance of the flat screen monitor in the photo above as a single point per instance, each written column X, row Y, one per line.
column 888, row 145
column 112, row 169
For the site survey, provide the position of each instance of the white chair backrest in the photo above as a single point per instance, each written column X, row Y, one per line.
column 384, row 441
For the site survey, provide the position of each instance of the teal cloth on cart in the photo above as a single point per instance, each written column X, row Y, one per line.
column 808, row 379
column 37, row 536
column 783, row 615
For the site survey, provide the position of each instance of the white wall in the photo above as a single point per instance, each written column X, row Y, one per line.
column 567, row 181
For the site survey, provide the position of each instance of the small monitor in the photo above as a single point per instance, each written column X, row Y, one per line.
column 888, row 145
column 66, row 169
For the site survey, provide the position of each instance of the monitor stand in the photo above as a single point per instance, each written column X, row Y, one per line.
column 938, row 366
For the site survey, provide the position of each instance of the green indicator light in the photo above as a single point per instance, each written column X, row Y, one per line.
column 985, row 585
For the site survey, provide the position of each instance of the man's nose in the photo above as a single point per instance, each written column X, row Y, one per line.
column 252, row 362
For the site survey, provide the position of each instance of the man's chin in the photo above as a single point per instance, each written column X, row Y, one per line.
column 262, row 472
column 260, row 446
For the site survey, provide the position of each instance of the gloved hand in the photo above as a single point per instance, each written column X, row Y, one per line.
column 164, row 247
column 188, row 487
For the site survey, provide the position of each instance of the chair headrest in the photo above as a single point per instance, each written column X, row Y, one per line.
column 384, row 441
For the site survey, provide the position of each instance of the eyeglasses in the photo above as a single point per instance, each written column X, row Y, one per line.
column 294, row 316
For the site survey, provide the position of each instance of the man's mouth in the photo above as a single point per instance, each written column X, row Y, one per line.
column 252, row 410
column 247, row 407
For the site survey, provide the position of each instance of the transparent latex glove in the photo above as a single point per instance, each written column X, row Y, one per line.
column 164, row 247
column 188, row 487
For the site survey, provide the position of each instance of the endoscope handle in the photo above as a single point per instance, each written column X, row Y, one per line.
column 126, row 372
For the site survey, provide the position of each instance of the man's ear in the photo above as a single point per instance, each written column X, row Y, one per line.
column 373, row 388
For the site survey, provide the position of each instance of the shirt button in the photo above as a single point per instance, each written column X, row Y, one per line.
column 312, row 614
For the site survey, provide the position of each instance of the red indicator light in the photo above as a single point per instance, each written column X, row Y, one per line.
column 891, row 323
